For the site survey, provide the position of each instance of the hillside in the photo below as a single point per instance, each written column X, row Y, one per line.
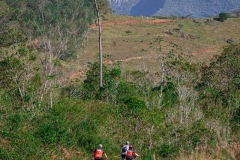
column 127, row 38
column 170, row 86
column 196, row 8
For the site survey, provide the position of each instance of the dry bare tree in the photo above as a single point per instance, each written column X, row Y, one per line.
column 102, row 8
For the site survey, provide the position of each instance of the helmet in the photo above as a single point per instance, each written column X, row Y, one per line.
column 127, row 143
column 130, row 146
column 100, row 145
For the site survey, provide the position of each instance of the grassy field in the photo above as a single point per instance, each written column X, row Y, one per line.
column 132, row 42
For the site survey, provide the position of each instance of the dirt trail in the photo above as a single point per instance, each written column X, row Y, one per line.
column 149, row 21
column 80, row 72
column 205, row 50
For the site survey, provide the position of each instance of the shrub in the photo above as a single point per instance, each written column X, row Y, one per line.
column 128, row 32
column 91, row 83
column 135, row 103
column 167, row 151
column 169, row 91
column 223, row 17
column 87, row 137
column 124, row 91
column 52, row 131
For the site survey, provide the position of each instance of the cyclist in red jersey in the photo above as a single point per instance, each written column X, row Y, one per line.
column 131, row 154
column 99, row 152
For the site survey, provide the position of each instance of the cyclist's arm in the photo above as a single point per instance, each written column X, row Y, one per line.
column 105, row 155
column 137, row 154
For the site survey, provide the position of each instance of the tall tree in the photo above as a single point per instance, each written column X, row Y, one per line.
column 102, row 8
column 100, row 44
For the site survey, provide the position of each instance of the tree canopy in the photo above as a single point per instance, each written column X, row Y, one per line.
column 223, row 16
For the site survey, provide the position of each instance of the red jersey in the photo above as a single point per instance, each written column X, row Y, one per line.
column 98, row 153
column 130, row 153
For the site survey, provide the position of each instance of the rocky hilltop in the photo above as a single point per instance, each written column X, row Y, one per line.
column 195, row 8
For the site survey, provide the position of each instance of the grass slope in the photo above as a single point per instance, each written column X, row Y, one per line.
column 201, row 38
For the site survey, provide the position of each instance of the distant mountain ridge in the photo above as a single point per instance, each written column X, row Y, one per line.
column 195, row 8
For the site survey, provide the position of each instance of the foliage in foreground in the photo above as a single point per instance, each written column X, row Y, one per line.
column 200, row 112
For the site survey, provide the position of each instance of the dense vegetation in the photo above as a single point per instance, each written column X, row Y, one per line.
column 194, row 108
column 58, row 23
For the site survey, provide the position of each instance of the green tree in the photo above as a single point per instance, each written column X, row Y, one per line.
column 223, row 16
column 19, row 74
column 91, row 88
